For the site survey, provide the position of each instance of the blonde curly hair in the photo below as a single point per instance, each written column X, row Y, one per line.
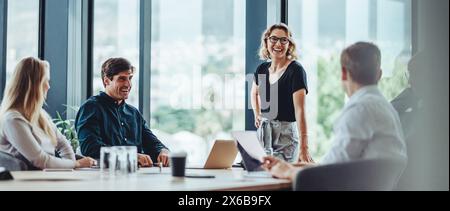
column 264, row 52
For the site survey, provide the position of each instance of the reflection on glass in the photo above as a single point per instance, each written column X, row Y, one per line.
column 22, row 32
column 323, row 28
column 198, row 76
column 116, row 34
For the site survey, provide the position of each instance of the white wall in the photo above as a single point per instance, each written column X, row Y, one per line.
column 428, row 153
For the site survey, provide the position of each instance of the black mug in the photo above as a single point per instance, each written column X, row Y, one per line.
column 178, row 164
column 5, row 174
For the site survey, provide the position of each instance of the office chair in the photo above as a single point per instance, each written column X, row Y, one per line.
column 362, row 175
column 11, row 163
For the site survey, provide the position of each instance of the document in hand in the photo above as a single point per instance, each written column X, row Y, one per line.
column 249, row 141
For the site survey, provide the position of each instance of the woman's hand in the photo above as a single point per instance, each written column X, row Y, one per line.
column 304, row 156
column 85, row 162
column 258, row 120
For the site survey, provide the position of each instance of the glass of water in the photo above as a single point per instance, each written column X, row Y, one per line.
column 105, row 154
column 119, row 160
column 132, row 161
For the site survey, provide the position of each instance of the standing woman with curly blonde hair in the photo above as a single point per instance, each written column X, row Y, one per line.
column 26, row 130
column 278, row 97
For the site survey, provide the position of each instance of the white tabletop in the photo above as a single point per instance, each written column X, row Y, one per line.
column 145, row 180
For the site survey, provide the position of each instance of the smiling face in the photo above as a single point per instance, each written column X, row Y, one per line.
column 120, row 86
column 278, row 44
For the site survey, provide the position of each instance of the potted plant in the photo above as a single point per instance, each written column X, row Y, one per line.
column 67, row 128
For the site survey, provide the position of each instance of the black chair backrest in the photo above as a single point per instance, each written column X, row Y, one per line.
column 11, row 163
column 362, row 175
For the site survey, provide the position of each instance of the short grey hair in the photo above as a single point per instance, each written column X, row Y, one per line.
column 363, row 61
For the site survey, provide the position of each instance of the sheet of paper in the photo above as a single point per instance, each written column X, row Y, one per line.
column 249, row 141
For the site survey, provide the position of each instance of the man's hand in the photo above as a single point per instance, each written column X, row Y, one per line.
column 279, row 168
column 145, row 160
column 269, row 162
column 163, row 157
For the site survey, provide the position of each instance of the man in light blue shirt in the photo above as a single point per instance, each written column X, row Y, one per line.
column 369, row 127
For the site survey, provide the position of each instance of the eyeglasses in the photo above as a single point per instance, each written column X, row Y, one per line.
column 283, row 40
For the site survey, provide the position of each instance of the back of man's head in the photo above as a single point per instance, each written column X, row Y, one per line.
column 362, row 60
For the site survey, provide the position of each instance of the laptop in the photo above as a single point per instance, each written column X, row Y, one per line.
column 222, row 156
column 252, row 153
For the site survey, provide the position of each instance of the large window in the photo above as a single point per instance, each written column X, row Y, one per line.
column 273, row 12
column 22, row 32
column 198, row 76
column 323, row 28
column 116, row 34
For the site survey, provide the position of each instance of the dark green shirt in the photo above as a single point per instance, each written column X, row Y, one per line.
column 102, row 122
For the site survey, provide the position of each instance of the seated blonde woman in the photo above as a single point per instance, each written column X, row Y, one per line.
column 26, row 130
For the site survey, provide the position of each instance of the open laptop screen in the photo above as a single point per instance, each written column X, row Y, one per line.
column 250, row 163
column 251, row 149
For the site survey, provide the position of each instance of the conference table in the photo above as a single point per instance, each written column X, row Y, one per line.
column 146, row 179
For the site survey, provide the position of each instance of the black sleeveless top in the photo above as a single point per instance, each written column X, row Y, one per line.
column 292, row 80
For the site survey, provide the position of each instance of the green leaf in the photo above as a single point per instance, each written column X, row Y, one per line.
column 59, row 123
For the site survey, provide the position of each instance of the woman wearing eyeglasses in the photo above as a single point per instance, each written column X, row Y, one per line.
column 278, row 97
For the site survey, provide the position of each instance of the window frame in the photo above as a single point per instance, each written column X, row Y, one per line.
column 3, row 40
column 256, row 20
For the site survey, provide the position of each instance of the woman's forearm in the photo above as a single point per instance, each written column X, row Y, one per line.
column 255, row 106
column 302, row 130
column 300, row 116
column 255, row 101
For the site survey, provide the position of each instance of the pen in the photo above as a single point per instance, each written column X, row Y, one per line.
column 158, row 165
